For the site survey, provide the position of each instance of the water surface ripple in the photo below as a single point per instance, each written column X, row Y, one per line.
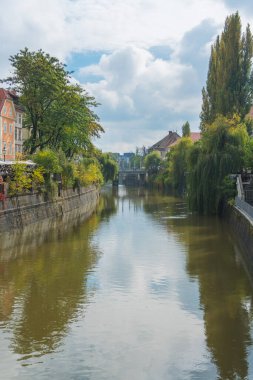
column 142, row 291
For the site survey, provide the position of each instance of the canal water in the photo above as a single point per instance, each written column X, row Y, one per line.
column 142, row 291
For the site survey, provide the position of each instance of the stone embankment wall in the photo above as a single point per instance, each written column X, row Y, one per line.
column 242, row 227
column 29, row 209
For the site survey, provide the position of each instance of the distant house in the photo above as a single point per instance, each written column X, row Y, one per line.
column 195, row 136
column 163, row 146
column 11, row 112
column 19, row 132
column 7, row 126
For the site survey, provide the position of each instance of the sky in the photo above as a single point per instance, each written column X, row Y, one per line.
column 144, row 61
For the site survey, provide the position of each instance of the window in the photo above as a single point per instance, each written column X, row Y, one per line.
column 5, row 127
column 10, row 112
column 5, row 110
column 10, row 128
column 19, row 118
column 16, row 134
column 10, row 148
column 20, row 134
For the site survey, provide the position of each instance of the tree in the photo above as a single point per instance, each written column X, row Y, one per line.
column 21, row 179
column 220, row 152
column 186, row 130
column 57, row 113
column 229, row 85
column 153, row 162
column 177, row 165
column 109, row 166
column 136, row 160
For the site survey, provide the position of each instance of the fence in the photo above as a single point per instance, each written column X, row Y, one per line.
column 240, row 199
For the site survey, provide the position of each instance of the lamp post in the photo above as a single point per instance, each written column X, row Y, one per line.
column 4, row 152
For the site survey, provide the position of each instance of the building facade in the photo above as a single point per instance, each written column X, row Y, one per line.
column 11, row 114
column 7, row 126
column 163, row 146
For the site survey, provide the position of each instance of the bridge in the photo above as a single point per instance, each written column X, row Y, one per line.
column 133, row 177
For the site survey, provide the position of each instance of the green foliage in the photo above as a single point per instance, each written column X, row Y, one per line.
column 249, row 124
column 109, row 166
column 37, row 178
column 88, row 174
column 228, row 188
column 176, row 170
column 248, row 154
column 137, row 160
column 220, row 153
column 186, row 130
column 229, row 87
column 153, row 162
column 21, row 180
column 82, row 173
column 57, row 113
column 48, row 160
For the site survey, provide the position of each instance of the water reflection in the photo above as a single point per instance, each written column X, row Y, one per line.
column 44, row 287
column 143, row 290
column 225, row 291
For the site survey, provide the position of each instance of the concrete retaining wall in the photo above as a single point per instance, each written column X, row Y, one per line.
column 29, row 209
column 242, row 228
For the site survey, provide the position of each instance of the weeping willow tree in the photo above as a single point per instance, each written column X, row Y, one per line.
column 220, row 153
column 175, row 173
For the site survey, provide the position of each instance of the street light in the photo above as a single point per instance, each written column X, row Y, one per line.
column 4, row 152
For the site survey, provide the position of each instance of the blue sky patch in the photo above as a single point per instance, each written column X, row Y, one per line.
column 161, row 52
column 78, row 60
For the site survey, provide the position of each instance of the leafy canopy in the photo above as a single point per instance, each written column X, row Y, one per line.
column 229, row 85
column 57, row 113
column 220, row 152
column 177, row 165
column 153, row 162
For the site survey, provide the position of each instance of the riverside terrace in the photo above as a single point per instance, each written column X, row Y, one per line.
column 6, row 166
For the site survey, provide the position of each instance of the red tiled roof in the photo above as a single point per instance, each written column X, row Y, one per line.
column 195, row 136
column 11, row 95
column 3, row 96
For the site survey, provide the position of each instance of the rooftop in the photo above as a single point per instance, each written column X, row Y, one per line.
column 166, row 142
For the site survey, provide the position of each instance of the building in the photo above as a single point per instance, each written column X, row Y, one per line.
column 18, row 123
column 7, row 126
column 163, row 146
column 11, row 114
column 195, row 136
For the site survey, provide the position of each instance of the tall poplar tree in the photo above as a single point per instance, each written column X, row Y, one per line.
column 186, row 129
column 229, row 85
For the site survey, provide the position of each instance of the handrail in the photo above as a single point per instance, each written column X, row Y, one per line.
column 239, row 185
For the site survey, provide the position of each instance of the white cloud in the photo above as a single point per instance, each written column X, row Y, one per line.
column 148, row 93
column 63, row 26
column 134, row 87
column 135, row 80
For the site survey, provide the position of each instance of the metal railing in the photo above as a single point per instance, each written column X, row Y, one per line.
column 239, row 185
column 240, row 198
column 244, row 206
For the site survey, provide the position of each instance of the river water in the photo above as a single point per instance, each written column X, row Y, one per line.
column 141, row 291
